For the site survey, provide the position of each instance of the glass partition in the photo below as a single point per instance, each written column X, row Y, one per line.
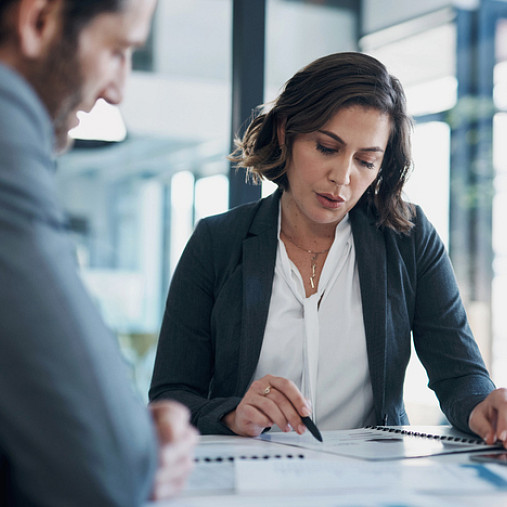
column 425, row 63
column 499, row 290
column 133, row 198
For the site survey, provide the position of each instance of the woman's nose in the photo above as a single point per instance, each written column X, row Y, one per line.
column 340, row 172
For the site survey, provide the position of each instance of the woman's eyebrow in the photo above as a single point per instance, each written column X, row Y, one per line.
column 341, row 141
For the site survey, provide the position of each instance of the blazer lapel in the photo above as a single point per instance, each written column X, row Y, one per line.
column 371, row 262
column 259, row 256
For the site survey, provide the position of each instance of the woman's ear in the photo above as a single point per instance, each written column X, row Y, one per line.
column 38, row 23
column 280, row 132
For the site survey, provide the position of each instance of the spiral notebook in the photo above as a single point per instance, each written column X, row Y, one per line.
column 216, row 459
column 384, row 443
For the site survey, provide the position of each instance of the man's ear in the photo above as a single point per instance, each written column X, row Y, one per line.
column 38, row 23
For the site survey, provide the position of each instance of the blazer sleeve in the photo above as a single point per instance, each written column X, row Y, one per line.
column 442, row 337
column 184, row 364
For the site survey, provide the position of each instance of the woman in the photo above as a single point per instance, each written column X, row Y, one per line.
column 304, row 302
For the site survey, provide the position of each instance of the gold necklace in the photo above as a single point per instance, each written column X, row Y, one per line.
column 313, row 258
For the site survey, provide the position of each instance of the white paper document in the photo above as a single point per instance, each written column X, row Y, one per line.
column 377, row 499
column 221, row 449
column 375, row 444
column 327, row 476
column 215, row 458
column 211, row 478
column 235, row 471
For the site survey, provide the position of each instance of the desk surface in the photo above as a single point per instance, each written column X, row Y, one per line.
column 235, row 471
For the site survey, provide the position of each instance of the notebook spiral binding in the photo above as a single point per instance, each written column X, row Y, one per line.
column 446, row 438
column 221, row 459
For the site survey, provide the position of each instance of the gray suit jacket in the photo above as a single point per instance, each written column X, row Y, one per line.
column 218, row 304
column 72, row 432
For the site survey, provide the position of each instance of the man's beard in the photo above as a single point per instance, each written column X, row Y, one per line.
column 58, row 82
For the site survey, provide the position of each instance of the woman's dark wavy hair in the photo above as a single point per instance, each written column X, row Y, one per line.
column 308, row 101
column 76, row 15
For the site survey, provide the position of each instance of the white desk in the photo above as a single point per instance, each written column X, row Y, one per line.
column 360, row 483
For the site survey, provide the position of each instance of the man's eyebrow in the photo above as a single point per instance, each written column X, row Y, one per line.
column 341, row 141
column 134, row 43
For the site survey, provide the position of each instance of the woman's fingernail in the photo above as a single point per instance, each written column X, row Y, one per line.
column 301, row 429
column 503, row 435
column 306, row 412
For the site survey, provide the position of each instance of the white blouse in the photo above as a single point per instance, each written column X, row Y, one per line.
column 321, row 347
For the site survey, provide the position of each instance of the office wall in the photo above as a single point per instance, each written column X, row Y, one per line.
column 380, row 14
column 298, row 33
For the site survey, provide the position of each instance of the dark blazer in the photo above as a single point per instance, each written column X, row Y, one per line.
column 219, row 298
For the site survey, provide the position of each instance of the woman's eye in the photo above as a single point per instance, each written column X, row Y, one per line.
column 325, row 150
column 368, row 165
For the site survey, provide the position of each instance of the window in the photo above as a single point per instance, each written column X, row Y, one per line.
column 423, row 57
column 133, row 199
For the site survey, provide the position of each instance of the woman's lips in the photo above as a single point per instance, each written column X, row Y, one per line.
column 330, row 201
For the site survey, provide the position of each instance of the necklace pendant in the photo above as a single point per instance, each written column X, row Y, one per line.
column 314, row 270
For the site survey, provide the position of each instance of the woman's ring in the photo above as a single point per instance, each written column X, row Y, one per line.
column 266, row 391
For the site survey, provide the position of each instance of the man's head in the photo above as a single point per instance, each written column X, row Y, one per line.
column 73, row 52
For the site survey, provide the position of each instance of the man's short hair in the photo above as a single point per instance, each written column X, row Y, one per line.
column 76, row 15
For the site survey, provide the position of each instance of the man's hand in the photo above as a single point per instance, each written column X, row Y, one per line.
column 177, row 439
column 489, row 418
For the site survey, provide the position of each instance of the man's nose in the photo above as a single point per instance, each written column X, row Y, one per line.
column 113, row 93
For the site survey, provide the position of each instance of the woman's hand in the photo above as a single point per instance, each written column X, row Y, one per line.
column 269, row 400
column 489, row 418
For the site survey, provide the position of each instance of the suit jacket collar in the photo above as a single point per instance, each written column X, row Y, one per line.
column 259, row 256
column 371, row 261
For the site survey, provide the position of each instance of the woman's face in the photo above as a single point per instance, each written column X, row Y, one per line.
column 330, row 169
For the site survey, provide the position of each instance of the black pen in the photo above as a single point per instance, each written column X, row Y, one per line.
column 312, row 428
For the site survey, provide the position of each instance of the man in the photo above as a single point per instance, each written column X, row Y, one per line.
column 72, row 432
